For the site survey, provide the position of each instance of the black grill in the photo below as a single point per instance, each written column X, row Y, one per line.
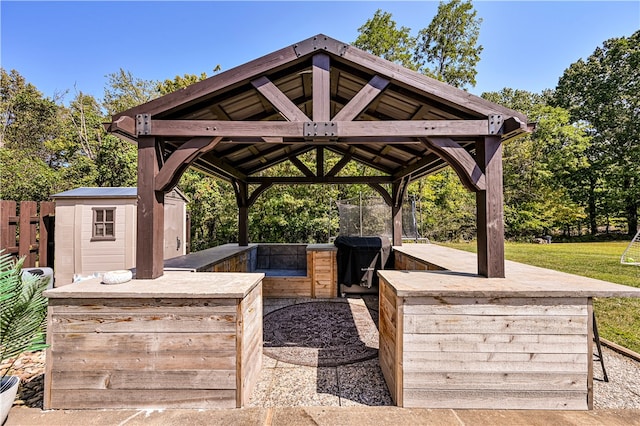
column 359, row 259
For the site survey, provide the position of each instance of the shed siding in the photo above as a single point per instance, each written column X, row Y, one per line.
column 77, row 254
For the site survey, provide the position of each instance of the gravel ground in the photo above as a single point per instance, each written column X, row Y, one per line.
column 622, row 390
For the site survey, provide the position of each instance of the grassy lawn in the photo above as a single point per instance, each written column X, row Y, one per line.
column 618, row 319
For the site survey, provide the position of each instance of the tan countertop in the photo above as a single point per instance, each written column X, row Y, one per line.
column 202, row 259
column 520, row 280
column 321, row 247
column 173, row 284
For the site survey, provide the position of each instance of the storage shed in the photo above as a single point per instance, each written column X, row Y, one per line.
column 95, row 230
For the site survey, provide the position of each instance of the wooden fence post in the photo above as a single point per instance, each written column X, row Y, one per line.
column 45, row 249
column 28, row 209
column 28, row 233
column 7, row 226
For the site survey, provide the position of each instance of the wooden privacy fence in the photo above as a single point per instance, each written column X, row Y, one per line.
column 29, row 233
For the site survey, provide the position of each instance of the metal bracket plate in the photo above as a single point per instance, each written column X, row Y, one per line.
column 143, row 124
column 318, row 43
column 495, row 123
column 320, row 129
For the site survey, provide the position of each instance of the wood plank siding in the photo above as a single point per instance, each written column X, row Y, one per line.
column 152, row 352
column 496, row 353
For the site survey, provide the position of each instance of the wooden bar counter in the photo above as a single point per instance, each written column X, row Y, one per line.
column 451, row 339
column 184, row 340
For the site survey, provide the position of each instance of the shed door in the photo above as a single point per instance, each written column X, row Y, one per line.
column 174, row 227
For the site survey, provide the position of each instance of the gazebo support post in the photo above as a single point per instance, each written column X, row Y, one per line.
column 489, row 216
column 150, row 227
column 397, row 193
column 242, row 197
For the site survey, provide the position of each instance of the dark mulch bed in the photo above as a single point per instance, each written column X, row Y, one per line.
column 321, row 334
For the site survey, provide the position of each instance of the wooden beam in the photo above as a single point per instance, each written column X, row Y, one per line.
column 321, row 87
column 425, row 162
column 460, row 160
column 288, row 152
column 490, row 215
column 169, row 175
column 383, row 193
column 413, row 128
column 150, row 218
column 123, row 125
column 382, row 154
column 416, row 81
column 397, row 193
column 258, row 191
column 279, row 100
column 346, row 157
column 362, row 99
column 223, row 166
column 289, row 180
column 195, row 128
column 359, row 158
column 301, row 166
column 512, row 127
column 319, row 161
column 223, row 81
column 344, row 129
column 242, row 195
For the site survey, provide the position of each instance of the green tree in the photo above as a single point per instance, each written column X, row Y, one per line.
column 542, row 184
column 604, row 93
column 445, row 208
column 116, row 162
column 124, row 91
column 381, row 37
column 179, row 82
column 448, row 48
column 30, row 122
column 28, row 118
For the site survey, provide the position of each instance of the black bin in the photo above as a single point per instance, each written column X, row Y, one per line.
column 359, row 259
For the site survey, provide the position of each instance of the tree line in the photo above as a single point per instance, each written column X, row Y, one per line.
column 579, row 171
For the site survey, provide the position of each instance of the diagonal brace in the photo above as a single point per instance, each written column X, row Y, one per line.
column 460, row 160
column 172, row 170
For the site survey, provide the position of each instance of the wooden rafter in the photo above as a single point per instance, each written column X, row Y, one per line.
column 381, row 154
column 321, row 88
column 180, row 159
column 362, row 99
column 212, row 84
column 460, row 160
column 301, row 166
column 445, row 93
column 346, row 157
column 222, row 166
column 353, row 150
column 287, row 152
column 279, row 100
column 426, row 162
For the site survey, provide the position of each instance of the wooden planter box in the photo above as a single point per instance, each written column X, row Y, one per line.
column 486, row 352
column 184, row 340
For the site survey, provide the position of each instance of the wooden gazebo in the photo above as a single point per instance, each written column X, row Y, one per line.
column 319, row 95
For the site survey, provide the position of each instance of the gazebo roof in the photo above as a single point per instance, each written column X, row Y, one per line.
column 337, row 103
column 317, row 93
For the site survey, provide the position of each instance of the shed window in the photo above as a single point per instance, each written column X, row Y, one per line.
column 104, row 223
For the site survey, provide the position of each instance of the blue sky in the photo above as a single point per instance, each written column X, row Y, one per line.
column 59, row 45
